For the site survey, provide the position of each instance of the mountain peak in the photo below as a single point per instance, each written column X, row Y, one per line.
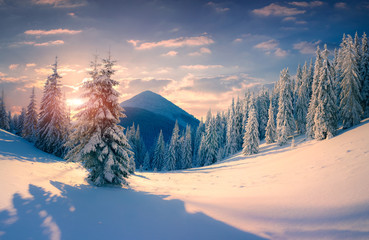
column 155, row 103
column 154, row 112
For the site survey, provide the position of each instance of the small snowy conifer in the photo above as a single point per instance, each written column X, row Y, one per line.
column 270, row 133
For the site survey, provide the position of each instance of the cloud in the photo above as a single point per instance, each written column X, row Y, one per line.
column 277, row 10
column 174, row 43
column 61, row 3
column 52, row 32
column 196, row 94
column 268, row 45
column 237, row 40
column 163, row 70
column 49, row 43
column 293, row 19
column 200, row 67
column 72, row 14
column 31, row 65
column 170, row 54
column 307, row 4
column 217, row 7
column 341, row 5
column 2, row 74
column 306, row 47
column 38, row 44
column 13, row 79
column 202, row 51
column 216, row 84
column 13, row 66
column 271, row 46
column 139, row 85
column 280, row 52
column 289, row 19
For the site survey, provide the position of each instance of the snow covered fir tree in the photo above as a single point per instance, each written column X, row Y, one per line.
column 98, row 141
column 251, row 137
column 52, row 128
column 30, row 123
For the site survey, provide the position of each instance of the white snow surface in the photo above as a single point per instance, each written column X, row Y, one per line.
column 315, row 190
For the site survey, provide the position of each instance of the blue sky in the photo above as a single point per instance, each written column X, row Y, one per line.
column 198, row 54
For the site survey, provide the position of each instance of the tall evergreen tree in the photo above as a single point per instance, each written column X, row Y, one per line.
column 146, row 162
column 51, row 128
column 364, row 74
column 270, row 134
column 202, row 152
column 98, row 141
column 296, row 88
column 262, row 105
column 238, row 125
column 13, row 123
column 198, row 135
column 310, row 78
column 251, row 137
column 30, row 126
column 4, row 119
column 285, row 120
column 172, row 154
column 337, row 74
column 246, row 105
column 186, row 152
column 310, row 127
column 350, row 105
column 211, row 143
column 302, row 101
column 231, row 141
column 326, row 111
column 19, row 123
column 159, row 153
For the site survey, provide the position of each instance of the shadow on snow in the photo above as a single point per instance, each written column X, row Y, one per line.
column 16, row 148
column 88, row 212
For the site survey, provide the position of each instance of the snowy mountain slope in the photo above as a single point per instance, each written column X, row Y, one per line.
column 42, row 197
column 153, row 112
column 316, row 190
column 155, row 103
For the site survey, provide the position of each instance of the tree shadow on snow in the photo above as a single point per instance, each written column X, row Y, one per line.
column 88, row 212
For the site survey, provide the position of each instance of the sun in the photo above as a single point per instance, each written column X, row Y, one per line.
column 74, row 102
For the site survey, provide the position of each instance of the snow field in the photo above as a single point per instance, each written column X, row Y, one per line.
column 316, row 190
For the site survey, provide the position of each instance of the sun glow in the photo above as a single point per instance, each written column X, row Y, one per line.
column 74, row 102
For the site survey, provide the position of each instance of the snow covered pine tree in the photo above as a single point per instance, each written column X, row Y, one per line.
column 99, row 142
column 52, row 123
column 30, row 123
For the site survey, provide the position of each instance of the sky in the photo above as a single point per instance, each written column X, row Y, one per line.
column 198, row 54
